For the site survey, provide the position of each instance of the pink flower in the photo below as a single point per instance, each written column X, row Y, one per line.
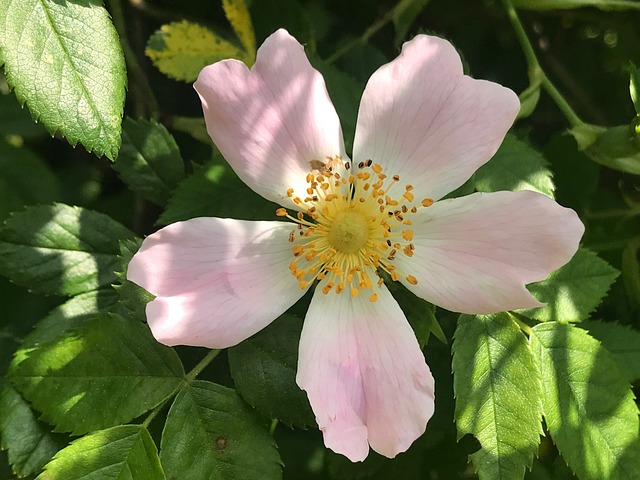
column 423, row 129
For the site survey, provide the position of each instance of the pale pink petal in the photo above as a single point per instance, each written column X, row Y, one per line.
column 217, row 280
column 422, row 119
column 475, row 254
column 271, row 121
column 364, row 373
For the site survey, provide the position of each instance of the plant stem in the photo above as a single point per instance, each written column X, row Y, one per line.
column 134, row 68
column 369, row 32
column 536, row 71
column 189, row 377
column 523, row 326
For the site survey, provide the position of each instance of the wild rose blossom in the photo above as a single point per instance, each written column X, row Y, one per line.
column 423, row 129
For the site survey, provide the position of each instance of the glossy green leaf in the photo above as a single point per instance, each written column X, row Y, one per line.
column 132, row 299
column 120, row 453
column 264, row 368
column 497, row 389
column 28, row 441
column 61, row 250
column 622, row 341
column 70, row 315
column 105, row 373
column 515, row 166
column 149, row 161
column 64, row 60
column 588, row 404
column 614, row 147
column 573, row 291
column 214, row 190
column 211, row 434
column 25, row 179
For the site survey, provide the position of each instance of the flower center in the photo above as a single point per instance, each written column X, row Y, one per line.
column 352, row 228
column 348, row 232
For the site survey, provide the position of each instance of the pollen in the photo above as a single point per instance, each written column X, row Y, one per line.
column 353, row 223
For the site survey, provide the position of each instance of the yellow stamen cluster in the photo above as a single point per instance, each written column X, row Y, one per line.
column 352, row 227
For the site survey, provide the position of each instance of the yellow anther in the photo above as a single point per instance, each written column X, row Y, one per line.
column 407, row 235
column 376, row 168
column 427, row 202
column 408, row 196
column 290, row 192
column 281, row 212
column 298, row 250
column 354, row 292
column 309, row 177
column 412, row 280
column 303, row 285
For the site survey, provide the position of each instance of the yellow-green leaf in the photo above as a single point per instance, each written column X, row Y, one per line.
column 238, row 16
column 181, row 49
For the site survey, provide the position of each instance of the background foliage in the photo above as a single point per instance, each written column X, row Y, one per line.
column 86, row 391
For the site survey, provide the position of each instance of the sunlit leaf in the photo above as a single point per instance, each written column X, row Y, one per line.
column 181, row 49
column 106, row 372
column 70, row 315
column 64, row 60
column 211, row 433
column 497, row 388
column 149, row 161
column 588, row 404
column 120, row 453
column 263, row 368
column 215, row 190
column 132, row 299
column 622, row 341
column 61, row 250
column 573, row 291
column 515, row 166
column 239, row 18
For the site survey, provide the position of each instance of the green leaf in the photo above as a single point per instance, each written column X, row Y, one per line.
column 64, row 60
column 263, row 368
column 119, row 453
column 214, row 190
column 573, row 291
column 238, row 15
column 149, row 161
column 614, row 147
column 28, row 441
column 70, row 315
column 25, row 179
column 211, row 433
column 588, row 406
column 105, row 373
column 515, row 166
column 182, row 49
column 497, row 389
column 622, row 341
column 60, row 250
column 132, row 298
